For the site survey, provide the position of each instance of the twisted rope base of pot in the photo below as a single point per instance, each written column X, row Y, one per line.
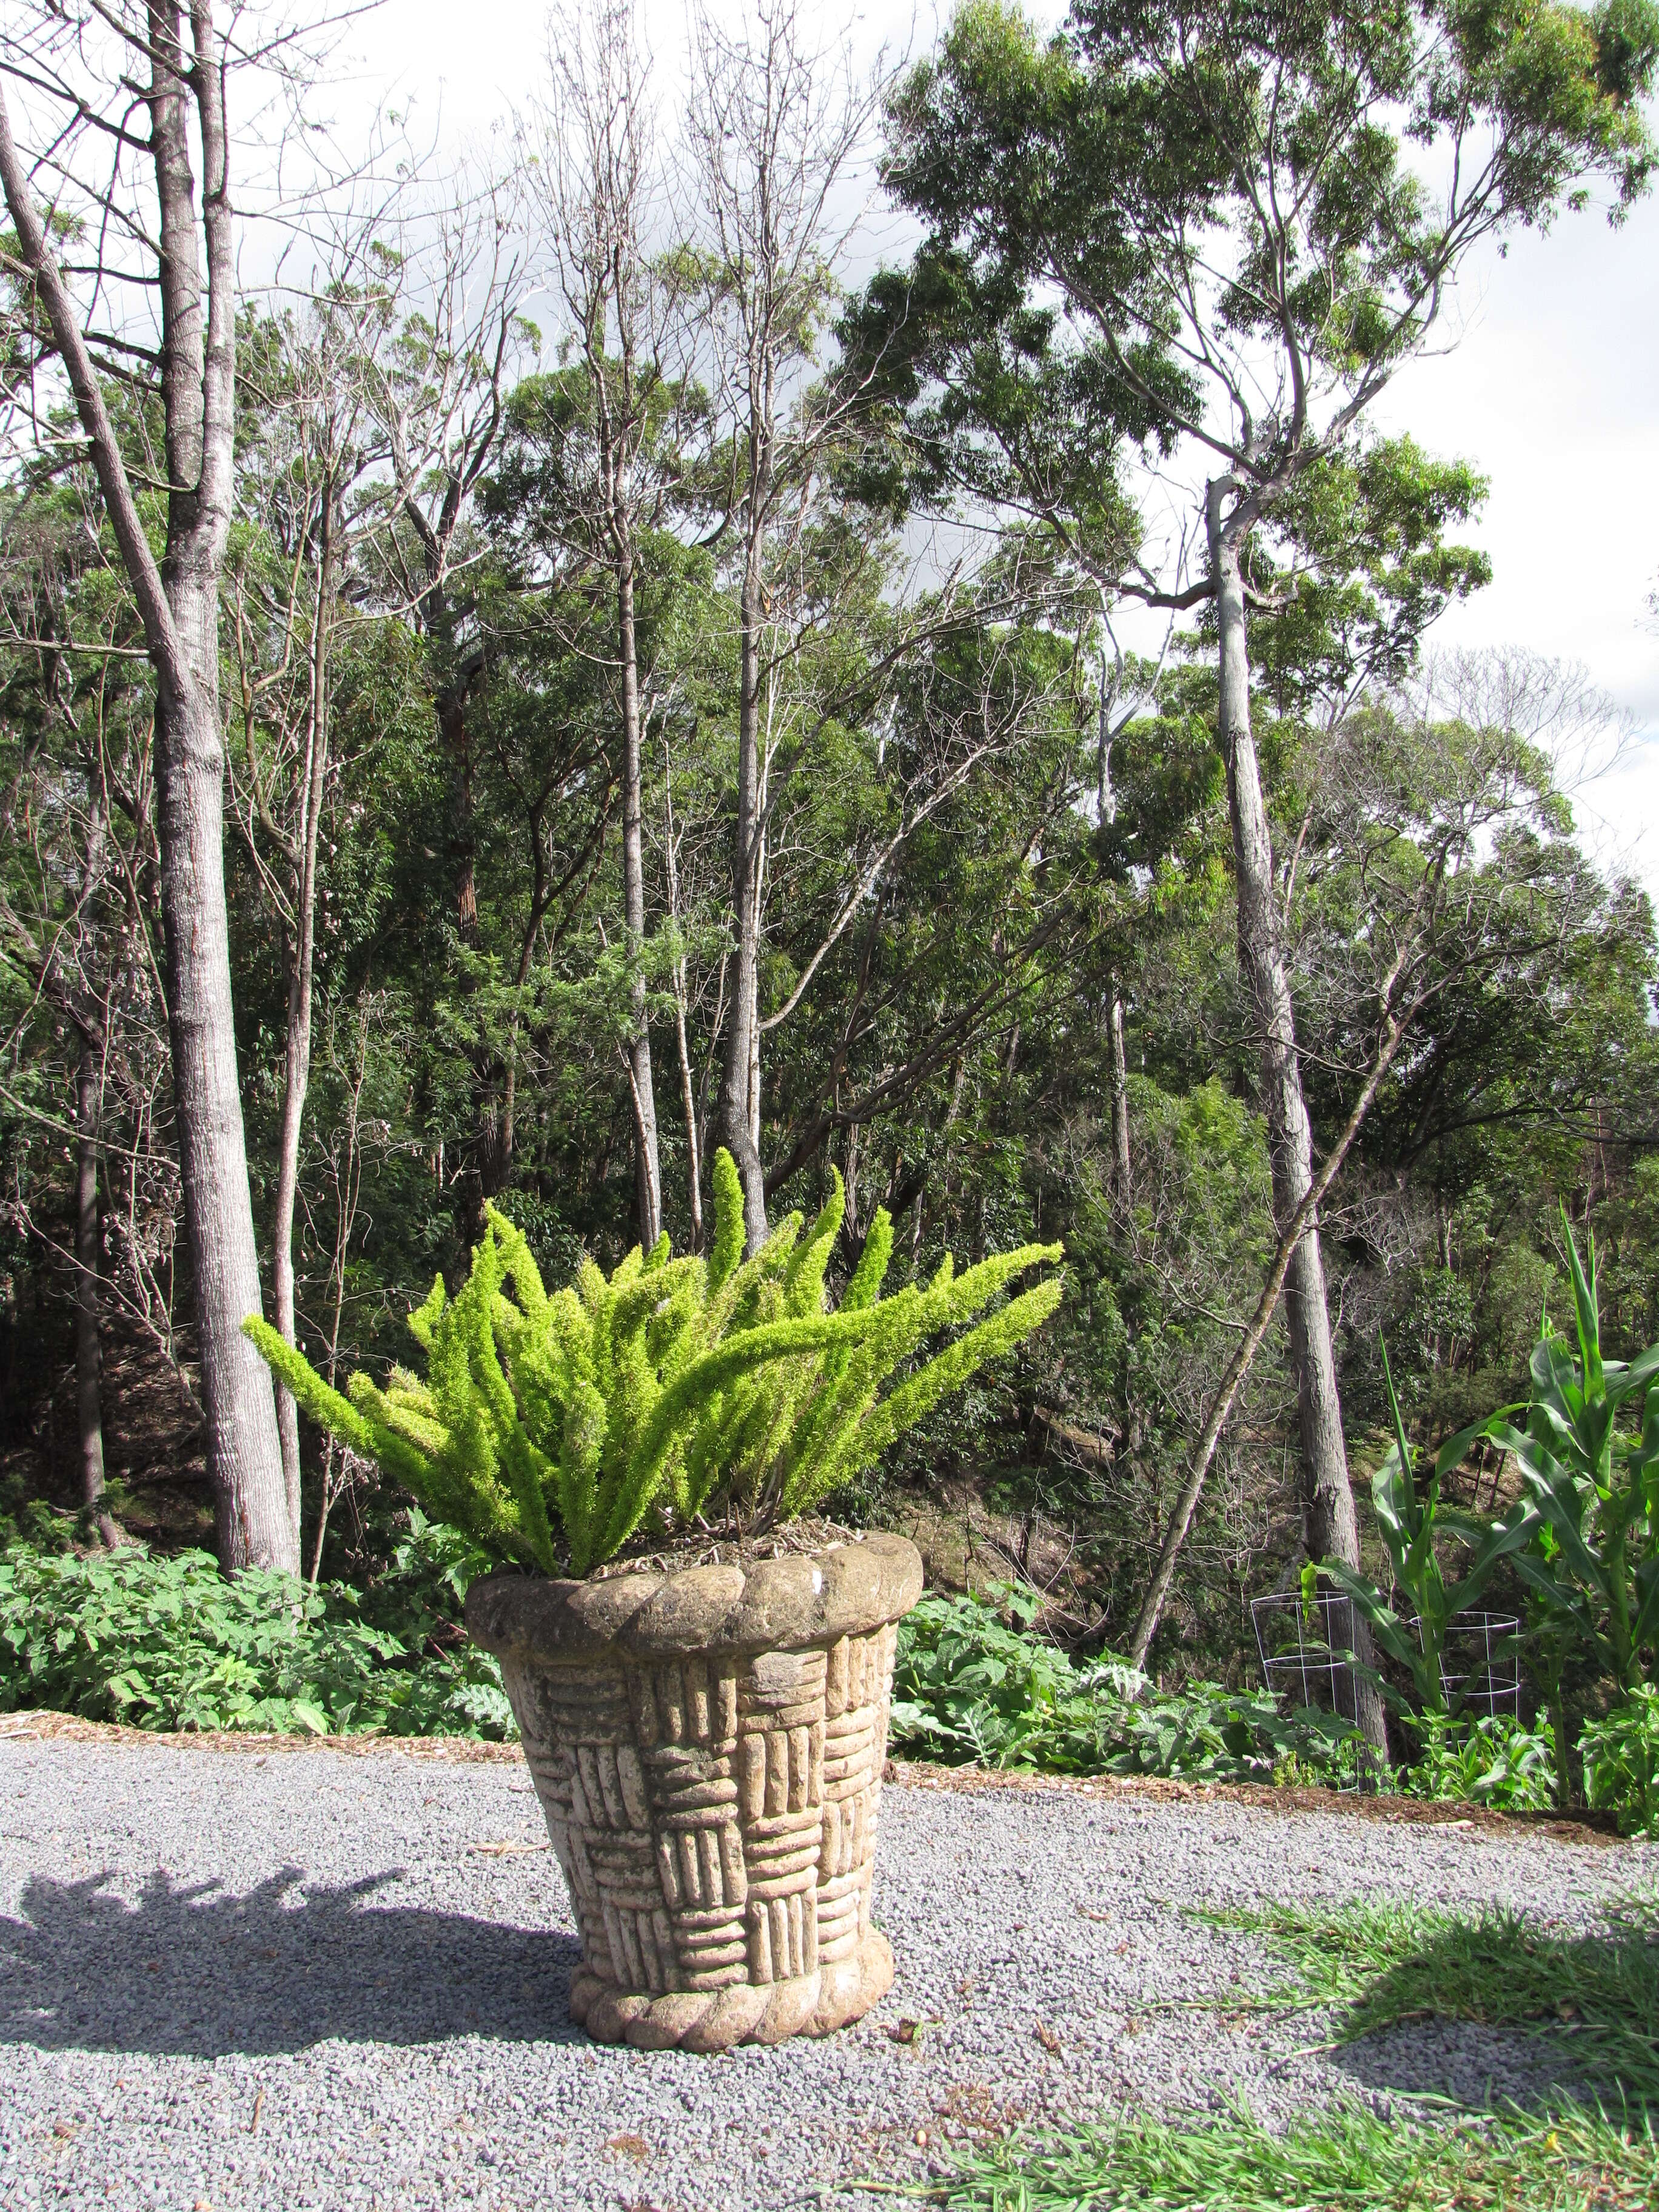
column 744, row 2012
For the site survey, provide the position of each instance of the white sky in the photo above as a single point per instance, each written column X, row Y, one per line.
column 1550, row 388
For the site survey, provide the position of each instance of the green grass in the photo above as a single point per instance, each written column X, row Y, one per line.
column 1379, row 1964
column 1596, row 1996
column 1575, row 2161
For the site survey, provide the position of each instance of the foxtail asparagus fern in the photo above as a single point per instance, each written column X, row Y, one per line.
column 549, row 1427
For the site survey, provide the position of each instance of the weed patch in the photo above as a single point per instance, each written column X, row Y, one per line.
column 1572, row 2161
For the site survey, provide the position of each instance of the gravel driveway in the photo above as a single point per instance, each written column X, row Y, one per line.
column 230, row 1979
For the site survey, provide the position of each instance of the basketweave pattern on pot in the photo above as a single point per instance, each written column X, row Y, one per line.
column 716, row 1818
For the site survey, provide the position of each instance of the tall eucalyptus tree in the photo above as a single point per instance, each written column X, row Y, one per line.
column 608, row 427
column 1256, row 213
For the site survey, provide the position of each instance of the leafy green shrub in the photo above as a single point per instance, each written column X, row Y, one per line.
column 26, row 1519
column 974, row 1684
column 554, row 1425
column 1494, row 1760
column 1621, row 1762
column 171, row 1643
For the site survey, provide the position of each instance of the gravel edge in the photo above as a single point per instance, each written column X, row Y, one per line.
column 1577, row 1828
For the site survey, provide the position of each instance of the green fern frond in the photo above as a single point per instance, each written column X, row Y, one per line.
column 871, row 1273
column 729, row 1220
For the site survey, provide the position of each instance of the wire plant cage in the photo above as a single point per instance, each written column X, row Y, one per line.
column 1306, row 1649
column 1304, row 1645
column 1481, row 1664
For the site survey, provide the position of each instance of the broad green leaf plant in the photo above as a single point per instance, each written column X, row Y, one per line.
column 1583, row 1537
column 1409, row 1522
column 549, row 1427
column 1590, row 1517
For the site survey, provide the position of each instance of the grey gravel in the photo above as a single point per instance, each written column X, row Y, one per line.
column 229, row 1979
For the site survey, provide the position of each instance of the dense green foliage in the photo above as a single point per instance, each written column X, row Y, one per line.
column 973, row 1683
column 1489, row 1758
column 678, row 1380
column 1586, row 1536
column 1583, row 1537
column 170, row 1643
column 1620, row 1753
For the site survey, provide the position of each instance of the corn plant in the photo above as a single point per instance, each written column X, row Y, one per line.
column 1620, row 1752
column 1586, row 1532
column 549, row 1427
column 1410, row 1521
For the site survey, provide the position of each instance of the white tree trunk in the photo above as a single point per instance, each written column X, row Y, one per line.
column 253, row 1525
column 179, row 606
column 741, row 1068
column 648, row 1165
column 1330, row 1525
column 1122, row 1173
column 301, row 970
column 88, row 1348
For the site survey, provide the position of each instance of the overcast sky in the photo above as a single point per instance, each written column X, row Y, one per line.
column 1547, row 385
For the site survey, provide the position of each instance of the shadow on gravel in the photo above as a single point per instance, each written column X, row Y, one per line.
column 1475, row 2066
column 202, row 1972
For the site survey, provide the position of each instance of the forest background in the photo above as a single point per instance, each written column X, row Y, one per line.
column 673, row 692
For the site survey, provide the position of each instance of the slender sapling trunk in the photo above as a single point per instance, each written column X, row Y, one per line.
column 296, row 1063
column 88, row 1348
column 648, row 1168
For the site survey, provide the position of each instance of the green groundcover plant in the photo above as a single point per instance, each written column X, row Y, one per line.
column 549, row 1427
column 974, row 1684
column 1568, row 2159
column 171, row 1643
column 1488, row 1759
column 1620, row 1752
column 1587, row 2000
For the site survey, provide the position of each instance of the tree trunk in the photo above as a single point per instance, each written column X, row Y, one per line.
column 198, row 362
column 482, row 1174
column 647, row 1170
column 1122, row 1175
column 296, row 1062
column 253, row 1524
column 197, row 385
column 740, row 1070
column 88, row 1350
column 688, row 1108
column 1330, row 1528
column 179, row 606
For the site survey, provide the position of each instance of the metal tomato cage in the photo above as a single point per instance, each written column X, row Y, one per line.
column 1481, row 1664
column 1305, row 1647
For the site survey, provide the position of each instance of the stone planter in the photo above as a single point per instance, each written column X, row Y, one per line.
column 707, row 1746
